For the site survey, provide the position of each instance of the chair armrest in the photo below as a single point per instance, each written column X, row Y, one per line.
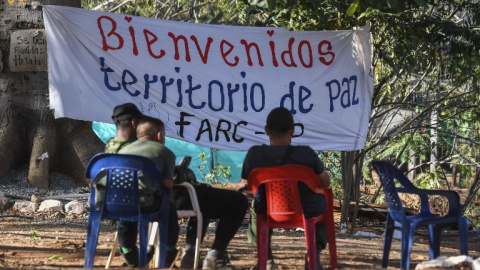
column 328, row 193
column 189, row 187
column 191, row 191
column 454, row 206
column 453, row 199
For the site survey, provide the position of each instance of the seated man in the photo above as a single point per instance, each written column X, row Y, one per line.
column 228, row 206
column 280, row 130
column 126, row 117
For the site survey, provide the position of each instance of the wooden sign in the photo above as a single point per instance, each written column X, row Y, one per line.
column 28, row 50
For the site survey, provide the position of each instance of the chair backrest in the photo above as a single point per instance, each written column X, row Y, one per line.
column 122, row 172
column 281, row 183
column 389, row 176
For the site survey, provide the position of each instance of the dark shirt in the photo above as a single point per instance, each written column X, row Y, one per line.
column 274, row 155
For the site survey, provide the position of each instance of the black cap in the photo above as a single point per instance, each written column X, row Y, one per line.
column 280, row 119
column 126, row 111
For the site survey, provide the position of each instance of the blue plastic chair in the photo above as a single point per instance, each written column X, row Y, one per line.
column 121, row 201
column 396, row 217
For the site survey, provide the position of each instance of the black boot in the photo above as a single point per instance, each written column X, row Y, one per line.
column 150, row 253
column 170, row 257
column 131, row 257
column 188, row 258
column 319, row 262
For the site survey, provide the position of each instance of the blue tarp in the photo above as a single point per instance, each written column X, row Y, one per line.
column 234, row 159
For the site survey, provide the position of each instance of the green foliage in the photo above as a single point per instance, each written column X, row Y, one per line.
column 216, row 174
column 427, row 180
column 416, row 143
column 353, row 7
column 55, row 257
column 471, row 213
column 33, row 233
column 426, row 60
column 332, row 162
column 210, row 12
column 381, row 198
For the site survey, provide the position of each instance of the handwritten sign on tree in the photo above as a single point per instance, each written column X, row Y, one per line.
column 28, row 50
column 212, row 85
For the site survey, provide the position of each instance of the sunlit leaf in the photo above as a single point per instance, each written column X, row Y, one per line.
column 353, row 7
column 55, row 257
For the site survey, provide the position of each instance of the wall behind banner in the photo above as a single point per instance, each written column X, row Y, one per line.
column 234, row 159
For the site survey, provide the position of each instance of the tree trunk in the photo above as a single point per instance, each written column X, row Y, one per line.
column 44, row 146
column 351, row 163
column 28, row 131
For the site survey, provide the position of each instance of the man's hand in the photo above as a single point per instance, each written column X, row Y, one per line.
column 244, row 189
column 168, row 182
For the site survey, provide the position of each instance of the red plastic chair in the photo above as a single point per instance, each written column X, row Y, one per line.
column 284, row 208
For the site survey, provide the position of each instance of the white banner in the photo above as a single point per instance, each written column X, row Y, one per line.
column 212, row 85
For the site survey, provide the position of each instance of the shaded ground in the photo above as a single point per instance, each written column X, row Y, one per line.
column 58, row 243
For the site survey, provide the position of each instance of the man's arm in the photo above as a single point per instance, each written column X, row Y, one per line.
column 324, row 178
column 245, row 172
column 168, row 171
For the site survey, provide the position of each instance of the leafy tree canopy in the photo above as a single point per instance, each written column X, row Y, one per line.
column 426, row 60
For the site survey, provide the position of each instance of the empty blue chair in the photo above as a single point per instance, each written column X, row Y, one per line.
column 396, row 217
column 121, row 200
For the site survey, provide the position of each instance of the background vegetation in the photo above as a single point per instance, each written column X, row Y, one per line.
column 425, row 114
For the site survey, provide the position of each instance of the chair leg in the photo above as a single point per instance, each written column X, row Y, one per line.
column 262, row 242
column 153, row 241
column 310, row 240
column 198, row 241
column 162, row 242
column 153, row 232
column 434, row 233
column 113, row 251
column 332, row 245
column 91, row 244
column 463, row 234
column 407, row 241
column 389, row 229
column 143, row 243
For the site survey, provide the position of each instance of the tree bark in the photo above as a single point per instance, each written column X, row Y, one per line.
column 351, row 163
column 44, row 146
column 28, row 131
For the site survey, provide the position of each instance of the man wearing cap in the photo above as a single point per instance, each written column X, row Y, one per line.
column 280, row 129
column 126, row 118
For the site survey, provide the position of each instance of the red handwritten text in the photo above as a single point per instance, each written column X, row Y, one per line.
column 298, row 53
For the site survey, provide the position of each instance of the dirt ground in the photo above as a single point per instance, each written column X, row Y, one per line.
column 58, row 243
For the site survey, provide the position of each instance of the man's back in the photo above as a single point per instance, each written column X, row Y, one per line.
column 115, row 144
column 280, row 129
column 163, row 157
column 274, row 155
